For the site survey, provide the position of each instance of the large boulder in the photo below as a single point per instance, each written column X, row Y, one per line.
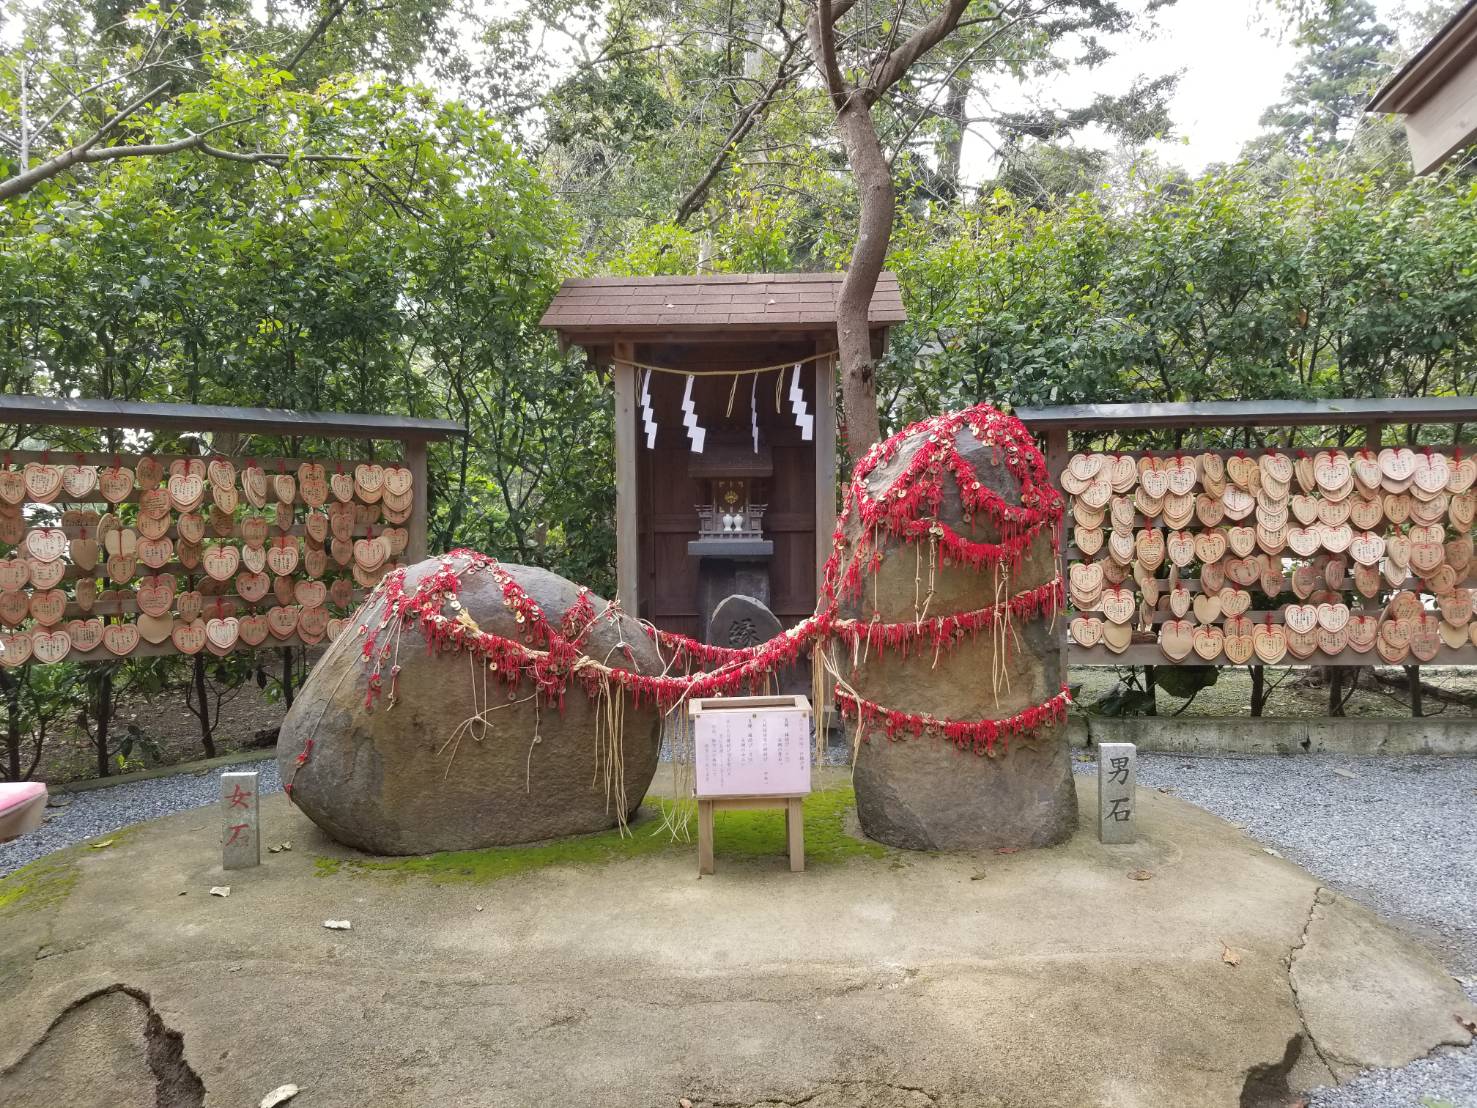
column 924, row 792
column 400, row 778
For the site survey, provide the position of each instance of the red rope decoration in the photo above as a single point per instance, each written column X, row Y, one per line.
column 909, row 506
column 979, row 735
column 943, row 632
column 552, row 656
column 938, row 632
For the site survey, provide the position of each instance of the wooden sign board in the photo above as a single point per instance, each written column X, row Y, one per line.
column 751, row 745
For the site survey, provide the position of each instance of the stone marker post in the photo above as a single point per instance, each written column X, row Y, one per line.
column 241, row 845
column 1117, row 779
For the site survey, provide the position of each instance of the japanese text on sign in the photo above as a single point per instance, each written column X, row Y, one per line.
column 752, row 752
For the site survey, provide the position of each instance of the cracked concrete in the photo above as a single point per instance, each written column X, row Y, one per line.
column 1041, row 978
column 1368, row 994
column 113, row 1049
column 840, row 1094
column 1326, row 1074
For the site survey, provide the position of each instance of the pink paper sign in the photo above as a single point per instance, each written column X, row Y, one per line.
column 757, row 749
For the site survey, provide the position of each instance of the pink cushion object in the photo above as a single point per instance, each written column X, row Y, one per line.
column 21, row 806
column 14, row 794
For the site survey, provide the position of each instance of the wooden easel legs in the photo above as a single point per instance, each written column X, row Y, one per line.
column 794, row 807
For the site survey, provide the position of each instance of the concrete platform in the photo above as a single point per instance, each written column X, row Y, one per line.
column 1190, row 968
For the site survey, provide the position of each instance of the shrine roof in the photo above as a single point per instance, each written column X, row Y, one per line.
column 596, row 308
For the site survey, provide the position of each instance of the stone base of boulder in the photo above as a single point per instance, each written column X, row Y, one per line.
column 927, row 794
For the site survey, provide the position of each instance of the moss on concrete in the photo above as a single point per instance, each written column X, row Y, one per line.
column 48, row 880
column 44, row 882
column 738, row 834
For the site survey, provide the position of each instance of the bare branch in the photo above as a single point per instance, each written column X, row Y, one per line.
column 891, row 71
column 261, row 157
column 89, row 151
column 320, row 28
column 29, row 179
column 149, row 62
column 822, row 31
column 928, row 109
column 737, row 133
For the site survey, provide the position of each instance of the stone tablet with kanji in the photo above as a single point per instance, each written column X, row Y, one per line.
column 1117, row 780
column 241, row 839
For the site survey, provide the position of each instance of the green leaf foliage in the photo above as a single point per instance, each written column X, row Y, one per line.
column 1221, row 288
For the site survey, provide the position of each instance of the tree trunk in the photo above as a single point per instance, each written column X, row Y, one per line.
column 950, row 147
column 12, row 688
column 1258, row 690
column 103, row 713
column 287, row 675
column 1150, row 687
column 1413, row 682
column 207, row 740
column 1334, row 676
column 874, row 231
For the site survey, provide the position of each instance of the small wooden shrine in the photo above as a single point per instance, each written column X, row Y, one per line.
column 725, row 432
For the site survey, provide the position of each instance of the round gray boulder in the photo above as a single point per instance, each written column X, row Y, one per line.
column 393, row 780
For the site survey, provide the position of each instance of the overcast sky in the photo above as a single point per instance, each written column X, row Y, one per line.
column 1234, row 55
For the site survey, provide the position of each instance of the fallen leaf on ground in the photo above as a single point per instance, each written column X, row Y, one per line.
column 100, row 845
column 338, row 925
column 220, row 890
column 1139, row 875
column 1007, row 850
column 280, row 1095
column 1269, row 850
column 1229, row 956
column 1166, row 788
column 980, row 876
column 684, row 1103
column 280, row 847
column 1350, row 774
column 1470, row 1025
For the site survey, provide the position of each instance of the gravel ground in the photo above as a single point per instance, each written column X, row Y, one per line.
column 86, row 815
column 1394, row 833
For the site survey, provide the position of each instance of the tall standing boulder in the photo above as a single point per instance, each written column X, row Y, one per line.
column 923, row 791
column 405, row 776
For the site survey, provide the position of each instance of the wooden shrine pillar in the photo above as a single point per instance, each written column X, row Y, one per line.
column 626, row 572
